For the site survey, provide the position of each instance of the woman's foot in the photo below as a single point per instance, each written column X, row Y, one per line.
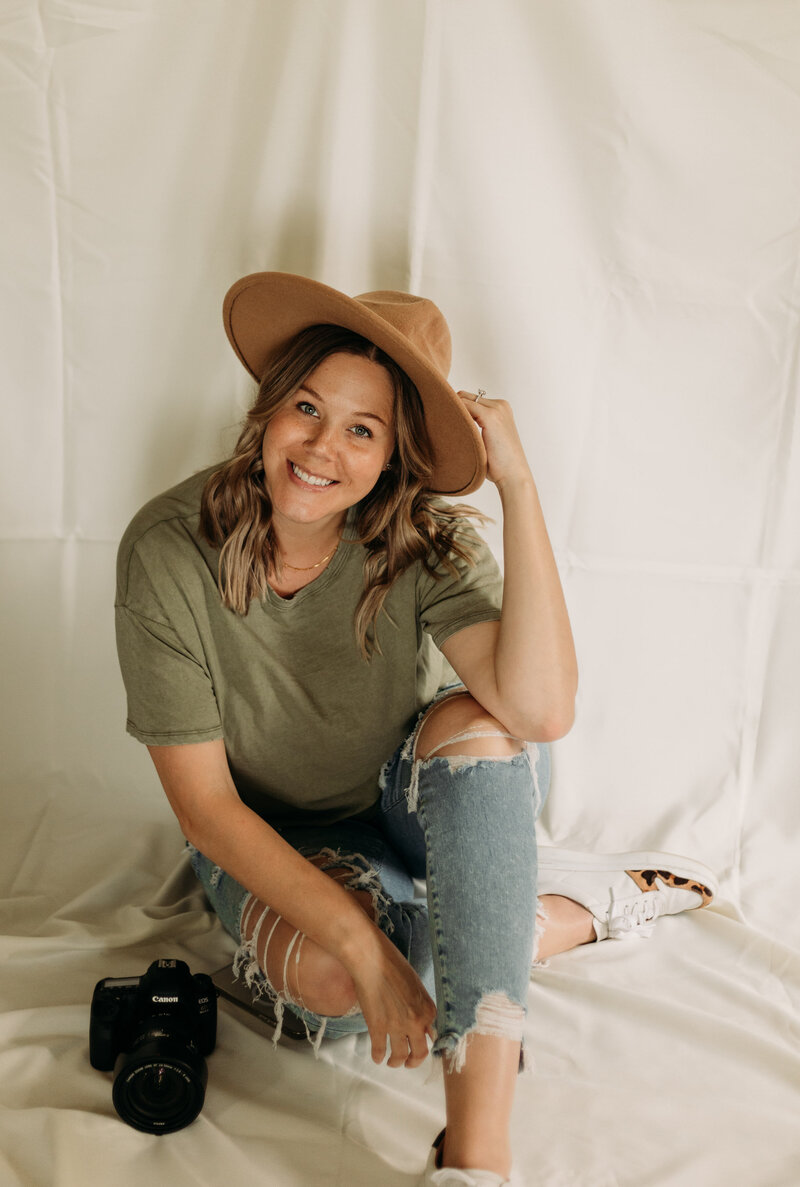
column 437, row 1175
column 625, row 892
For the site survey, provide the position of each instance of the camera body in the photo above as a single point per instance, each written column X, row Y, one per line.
column 154, row 1032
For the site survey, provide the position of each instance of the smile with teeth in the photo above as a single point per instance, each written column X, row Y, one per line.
column 311, row 479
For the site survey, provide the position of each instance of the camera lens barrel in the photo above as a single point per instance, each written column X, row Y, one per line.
column 159, row 1087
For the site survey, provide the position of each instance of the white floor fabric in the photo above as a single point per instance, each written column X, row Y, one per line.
column 602, row 197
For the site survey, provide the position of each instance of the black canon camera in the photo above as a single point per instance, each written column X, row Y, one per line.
column 153, row 1033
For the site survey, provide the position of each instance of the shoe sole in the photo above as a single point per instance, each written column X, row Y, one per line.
column 643, row 867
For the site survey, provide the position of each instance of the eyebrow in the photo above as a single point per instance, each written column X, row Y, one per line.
column 304, row 387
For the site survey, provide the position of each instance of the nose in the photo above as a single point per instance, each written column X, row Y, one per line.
column 319, row 439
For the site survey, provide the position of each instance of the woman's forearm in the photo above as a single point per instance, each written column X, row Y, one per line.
column 525, row 672
column 200, row 789
column 247, row 848
column 536, row 669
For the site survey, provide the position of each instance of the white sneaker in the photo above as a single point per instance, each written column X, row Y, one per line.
column 450, row 1176
column 626, row 892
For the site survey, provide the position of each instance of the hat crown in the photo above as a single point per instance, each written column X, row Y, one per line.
column 417, row 319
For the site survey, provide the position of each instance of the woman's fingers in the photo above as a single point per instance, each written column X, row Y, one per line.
column 397, row 1008
column 405, row 1050
column 407, row 1040
column 399, row 1053
column 417, row 1050
column 378, row 1048
column 505, row 455
column 405, row 1035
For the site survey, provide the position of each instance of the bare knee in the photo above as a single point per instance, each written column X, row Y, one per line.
column 324, row 985
column 459, row 725
column 297, row 968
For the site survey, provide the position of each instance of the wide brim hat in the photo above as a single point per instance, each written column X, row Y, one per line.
column 264, row 311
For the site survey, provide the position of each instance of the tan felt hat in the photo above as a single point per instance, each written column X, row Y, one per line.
column 264, row 311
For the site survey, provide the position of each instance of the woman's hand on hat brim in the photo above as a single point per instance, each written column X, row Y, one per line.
column 505, row 454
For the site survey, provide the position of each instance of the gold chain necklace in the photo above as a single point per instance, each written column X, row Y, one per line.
column 308, row 568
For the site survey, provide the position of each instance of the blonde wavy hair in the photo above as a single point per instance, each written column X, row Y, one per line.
column 399, row 522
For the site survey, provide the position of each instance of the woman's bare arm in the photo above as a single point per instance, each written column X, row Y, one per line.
column 523, row 669
column 199, row 787
column 393, row 1000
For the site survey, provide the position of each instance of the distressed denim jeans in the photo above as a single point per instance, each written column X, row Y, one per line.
column 466, row 826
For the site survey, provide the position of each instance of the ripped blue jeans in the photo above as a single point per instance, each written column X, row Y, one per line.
column 466, row 825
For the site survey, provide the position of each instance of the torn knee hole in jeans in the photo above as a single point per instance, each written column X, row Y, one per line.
column 460, row 762
column 363, row 876
column 246, row 964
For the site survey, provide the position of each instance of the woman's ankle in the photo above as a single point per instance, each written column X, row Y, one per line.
column 469, row 1154
column 562, row 925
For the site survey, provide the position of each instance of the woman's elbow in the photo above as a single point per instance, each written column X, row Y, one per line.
column 555, row 728
column 548, row 727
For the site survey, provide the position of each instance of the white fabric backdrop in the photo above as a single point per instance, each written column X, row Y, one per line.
column 602, row 197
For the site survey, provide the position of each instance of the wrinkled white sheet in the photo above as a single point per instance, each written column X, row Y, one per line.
column 602, row 196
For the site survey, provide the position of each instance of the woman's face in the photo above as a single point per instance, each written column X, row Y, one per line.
column 326, row 447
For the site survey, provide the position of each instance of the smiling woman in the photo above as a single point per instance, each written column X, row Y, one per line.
column 341, row 695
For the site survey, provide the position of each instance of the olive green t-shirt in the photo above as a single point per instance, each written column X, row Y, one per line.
column 307, row 722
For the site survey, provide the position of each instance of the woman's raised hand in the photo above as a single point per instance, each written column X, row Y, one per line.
column 393, row 1000
column 506, row 461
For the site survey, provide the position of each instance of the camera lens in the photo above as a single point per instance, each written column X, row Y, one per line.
column 158, row 1090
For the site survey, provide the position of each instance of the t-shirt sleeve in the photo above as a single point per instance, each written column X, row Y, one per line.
column 170, row 693
column 454, row 601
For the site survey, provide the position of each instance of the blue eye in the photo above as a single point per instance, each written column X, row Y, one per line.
column 361, row 431
column 304, row 406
